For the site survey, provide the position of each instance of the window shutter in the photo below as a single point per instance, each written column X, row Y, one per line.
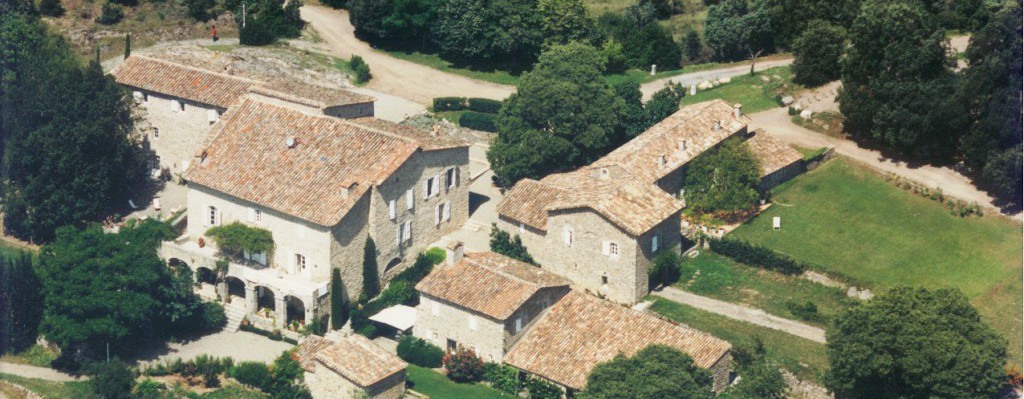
column 426, row 189
column 437, row 184
column 251, row 215
column 218, row 217
column 437, row 214
column 206, row 218
column 173, row 104
column 447, row 211
column 457, row 173
column 391, row 209
column 409, row 199
column 472, row 323
column 408, row 230
column 606, row 248
column 398, row 234
column 567, row 237
column 519, row 324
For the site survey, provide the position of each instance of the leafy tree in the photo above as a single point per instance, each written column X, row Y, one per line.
column 564, row 21
column 693, row 48
column 723, row 179
column 339, row 303
column 393, row 21
column 634, row 119
column 817, row 52
column 897, row 82
column 665, row 270
column 490, row 32
column 564, row 114
column 199, row 10
column 736, row 29
column 371, row 274
column 51, row 8
column 655, row 372
column 663, row 103
column 110, row 14
column 268, row 20
column 914, row 343
column 112, row 380
column 20, row 295
column 512, row 247
column 990, row 90
column 616, row 59
column 652, row 45
column 760, row 380
column 463, row 365
column 792, row 17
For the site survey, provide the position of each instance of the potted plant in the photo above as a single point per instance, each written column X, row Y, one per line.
column 201, row 242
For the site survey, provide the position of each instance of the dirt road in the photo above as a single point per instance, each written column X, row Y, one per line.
column 777, row 121
column 694, row 78
column 391, row 75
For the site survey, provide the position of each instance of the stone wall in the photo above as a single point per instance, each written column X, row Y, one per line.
column 180, row 132
column 326, row 384
column 350, row 111
column 392, row 387
column 530, row 312
column 720, row 373
column 438, row 320
column 781, row 176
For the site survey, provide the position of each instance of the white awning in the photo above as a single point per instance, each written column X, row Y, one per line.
column 399, row 316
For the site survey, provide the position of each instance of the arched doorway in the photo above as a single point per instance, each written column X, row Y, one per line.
column 236, row 288
column 392, row 264
column 265, row 298
column 205, row 276
column 296, row 310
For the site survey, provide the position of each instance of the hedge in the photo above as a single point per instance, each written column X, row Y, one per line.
column 449, row 104
column 758, row 256
column 273, row 335
column 484, row 105
column 420, row 352
column 478, row 120
column 253, row 374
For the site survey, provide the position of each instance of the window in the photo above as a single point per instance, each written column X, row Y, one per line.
column 431, row 188
column 156, row 132
column 409, row 199
column 145, row 97
column 519, row 324
column 654, row 243
column 438, row 212
column 452, row 177
column 391, row 209
column 522, row 228
column 300, row 262
column 472, row 323
column 436, row 336
column 604, row 280
column 567, row 236
column 259, row 216
column 213, row 219
column 609, row 248
column 452, row 345
column 255, row 215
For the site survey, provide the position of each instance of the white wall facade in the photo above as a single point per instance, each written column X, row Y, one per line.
column 174, row 135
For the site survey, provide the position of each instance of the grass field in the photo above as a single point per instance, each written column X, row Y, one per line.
column 724, row 279
column 50, row 389
column 807, row 359
column 435, row 61
column 846, row 219
column 436, row 385
column 749, row 90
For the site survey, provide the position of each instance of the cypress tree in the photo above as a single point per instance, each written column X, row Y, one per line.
column 127, row 45
column 371, row 280
column 339, row 304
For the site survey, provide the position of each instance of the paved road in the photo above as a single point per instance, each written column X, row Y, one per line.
column 778, row 122
column 240, row 345
column 693, row 78
column 743, row 313
column 41, row 373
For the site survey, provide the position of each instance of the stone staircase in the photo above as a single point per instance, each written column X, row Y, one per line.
column 235, row 313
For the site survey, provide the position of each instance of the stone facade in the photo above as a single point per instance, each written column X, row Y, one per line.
column 589, row 261
column 324, row 383
column 176, row 127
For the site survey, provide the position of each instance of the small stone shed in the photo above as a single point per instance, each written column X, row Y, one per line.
column 350, row 367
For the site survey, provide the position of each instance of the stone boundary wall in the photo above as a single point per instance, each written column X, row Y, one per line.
column 22, row 390
column 817, row 161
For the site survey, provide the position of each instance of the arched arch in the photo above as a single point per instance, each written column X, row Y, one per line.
column 236, row 287
column 265, row 298
column 296, row 310
column 206, row 276
column 392, row 264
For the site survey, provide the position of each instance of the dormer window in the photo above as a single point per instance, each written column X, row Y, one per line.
column 661, row 161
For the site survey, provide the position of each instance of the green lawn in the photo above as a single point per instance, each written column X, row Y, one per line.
column 438, row 386
column 724, row 279
column 846, row 219
column 50, row 389
column 807, row 359
column 35, row 356
column 435, row 61
column 749, row 90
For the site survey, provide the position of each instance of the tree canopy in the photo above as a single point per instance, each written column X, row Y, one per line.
column 723, row 179
column 655, row 372
column 914, row 343
column 817, row 52
column 489, row 31
column 20, row 295
column 735, row 29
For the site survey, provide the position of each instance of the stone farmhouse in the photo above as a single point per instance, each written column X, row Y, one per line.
column 179, row 103
column 512, row 312
column 322, row 186
column 350, row 367
column 484, row 301
column 602, row 225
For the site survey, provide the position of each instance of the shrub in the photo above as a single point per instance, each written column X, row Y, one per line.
column 213, row 316
column 361, row 69
column 761, row 380
column 449, row 104
column 463, row 365
column 485, row 105
column 756, row 255
column 512, row 247
column 806, row 311
column 199, row 10
column 435, row 255
column 112, row 380
column 421, row 268
column 665, row 270
column 149, row 389
column 541, row 389
column 210, row 379
column 503, row 378
column 110, row 14
column 256, row 33
column 51, row 8
column 419, row 352
column 478, row 121
column 236, row 239
column 253, row 374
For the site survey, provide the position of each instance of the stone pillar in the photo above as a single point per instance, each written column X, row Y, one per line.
column 280, row 310
column 250, row 299
column 310, row 313
column 222, row 291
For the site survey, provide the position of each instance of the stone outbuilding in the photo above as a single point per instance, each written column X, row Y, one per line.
column 779, row 161
column 351, row 367
column 484, row 302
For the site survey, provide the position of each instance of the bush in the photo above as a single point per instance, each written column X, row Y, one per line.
column 110, row 14
column 463, row 365
column 213, row 316
column 758, row 256
column 761, row 380
column 478, row 121
column 485, row 105
column 421, row 268
column 112, row 380
column 665, row 270
column 512, row 247
column 149, row 389
column 253, row 374
column 420, row 352
column 541, row 389
column 449, row 104
column 256, row 34
column 503, row 378
column 51, row 8
column 361, row 69
column 199, row 10
column 806, row 311
column 435, row 255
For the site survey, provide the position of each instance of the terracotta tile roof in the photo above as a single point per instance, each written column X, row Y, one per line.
column 359, row 360
column 489, row 283
column 426, row 139
column 692, row 125
column 582, row 331
column 311, row 95
column 182, row 81
column 632, row 205
column 308, row 349
column 332, row 165
column 772, row 152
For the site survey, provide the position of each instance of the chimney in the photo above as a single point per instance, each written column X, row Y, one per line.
column 682, row 144
column 454, row 252
column 737, row 111
column 716, row 126
column 661, row 161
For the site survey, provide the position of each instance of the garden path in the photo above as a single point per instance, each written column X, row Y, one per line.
column 41, row 373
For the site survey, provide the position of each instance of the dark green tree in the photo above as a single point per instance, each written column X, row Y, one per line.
column 339, row 302
column 655, row 372
column 634, row 120
column 693, row 48
column 20, row 295
column 760, row 380
column 652, row 45
column 564, row 21
column 738, row 29
column 127, row 45
column 990, row 91
column 51, row 8
column 112, row 380
column 371, row 274
column 563, row 115
column 110, row 14
column 512, row 247
column 663, row 103
column 897, row 83
column 489, row 32
column 817, row 52
column 268, row 20
column 390, row 22
column 199, row 10
column 335, row 3
column 723, row 179
column 914, row 343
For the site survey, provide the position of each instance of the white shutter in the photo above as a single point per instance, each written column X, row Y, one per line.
column 567, row 237
column 519, row 324
column 218, row 217
column 605, row 248
column 398, row 234
column 437, row 214
column 457, row 173
column 407, row 231
column 206, row 217
column 447, row 211
column 409, row 199
column 472, row 323
column 174, row 105
column 212, row 116
column 437, row 184
column 251, row 215
column 391, row 209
